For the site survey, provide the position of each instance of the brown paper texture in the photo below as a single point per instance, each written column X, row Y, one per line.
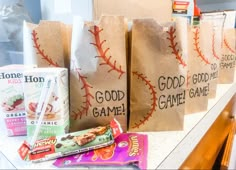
column 199, row 68
column 157, row 76
column 98, row 76
column 160, row 10
column 66, row 40
column 217, row 20
column 45, row 44
column 216, row 41
column 227, row 63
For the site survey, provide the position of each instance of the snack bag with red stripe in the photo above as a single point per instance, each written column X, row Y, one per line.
column 216, row 48
column 158, row 75
column 199, row 67
column 98, row 73
column 227, row 62
column 47, row 44
column 216, row 51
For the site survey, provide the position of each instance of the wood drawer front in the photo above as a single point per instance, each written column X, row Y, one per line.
column 205, row 153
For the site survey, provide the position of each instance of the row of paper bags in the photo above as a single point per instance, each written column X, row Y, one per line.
column 147, row 78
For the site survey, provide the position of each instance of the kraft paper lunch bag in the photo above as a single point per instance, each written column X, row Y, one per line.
column 199, row 67
column 47, row 44
column 98, row 73
column 227, row 62
column 158, row 75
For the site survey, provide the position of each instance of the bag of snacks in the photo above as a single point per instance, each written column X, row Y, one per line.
column 158, row 75
column 199, row 65
column 129, row 148
column 227, row 62
column 216, row 42
column 215, row 61
column 98, row 78
column 47, row 44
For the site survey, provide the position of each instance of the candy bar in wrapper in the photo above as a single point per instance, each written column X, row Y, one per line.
column 129, row 148
column 72, row 143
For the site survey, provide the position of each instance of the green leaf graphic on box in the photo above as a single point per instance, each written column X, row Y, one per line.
column 15, row 100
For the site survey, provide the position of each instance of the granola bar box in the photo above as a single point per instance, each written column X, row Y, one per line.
column 56, row 118
column 12, row 108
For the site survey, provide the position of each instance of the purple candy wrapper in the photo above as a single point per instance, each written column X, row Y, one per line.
column 129, row 148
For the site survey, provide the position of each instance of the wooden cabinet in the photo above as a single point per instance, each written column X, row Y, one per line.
column 205, row 153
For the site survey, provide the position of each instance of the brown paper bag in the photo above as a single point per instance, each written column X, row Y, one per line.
column 227, row 63
column 160, row 10
column 46, row 44
column 98, row 78
column 66, row 39
column 217, row 20
column 158, row 71
column 199, row 65
column 216, row 41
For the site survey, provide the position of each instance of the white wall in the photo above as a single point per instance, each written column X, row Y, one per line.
column 33, row 8
column 84, row 8
column 217, row 6
column 51, row 11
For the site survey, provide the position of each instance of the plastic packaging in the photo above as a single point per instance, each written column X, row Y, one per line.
column 71, row 143
column 12, row 15
column 128, row 149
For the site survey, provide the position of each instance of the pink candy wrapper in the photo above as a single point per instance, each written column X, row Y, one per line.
column 129, row 148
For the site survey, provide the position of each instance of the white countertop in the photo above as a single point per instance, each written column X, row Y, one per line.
column 167, row 150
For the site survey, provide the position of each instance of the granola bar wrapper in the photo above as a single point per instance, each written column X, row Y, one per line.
column 227, row 62
column 199, row 67
column 98, row 73
column 158, row 75
column 129, row 148
column 71, row 143
column 47, row 44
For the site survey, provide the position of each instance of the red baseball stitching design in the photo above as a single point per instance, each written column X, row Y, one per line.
column 41, row 51
column 173, row 46
column 107, row 60
column 87, row 96
column 197, row 48
column 228, row 46
column 154, row 99
column 213, row 47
